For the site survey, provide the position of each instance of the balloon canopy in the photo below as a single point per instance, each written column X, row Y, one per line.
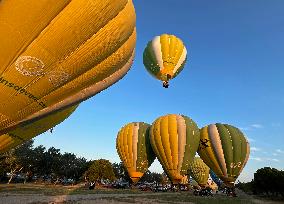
column 174, row 139
column 30, row 130
column 134, row 149
column 215, row 178
column 56, row 54
column 164, row 57
column 199, row 171
column 225, row 150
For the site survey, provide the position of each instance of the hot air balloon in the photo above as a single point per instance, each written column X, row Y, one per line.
column 30, row 130
column 215, row 178
column 164, row 57
column 174, row 139
column 134, row 149
column 199, row 171
column 225, row 150
column 55, row 55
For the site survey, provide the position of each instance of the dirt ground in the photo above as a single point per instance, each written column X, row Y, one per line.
column 40, row 194
column 70, row 199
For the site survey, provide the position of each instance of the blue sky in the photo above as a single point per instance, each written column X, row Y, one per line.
column 234, row 74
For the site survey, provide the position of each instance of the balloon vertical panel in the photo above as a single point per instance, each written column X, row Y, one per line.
column 53, row 63
column 134, row 150
column 199, row 171
column 164, row 57
column 225, row 149
column 175, row 140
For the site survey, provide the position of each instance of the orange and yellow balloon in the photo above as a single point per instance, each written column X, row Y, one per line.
column 175, row 139
column 56, row 54
column 30, row 130
column 134, row 149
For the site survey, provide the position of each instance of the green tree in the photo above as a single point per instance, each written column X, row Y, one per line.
column 151, row 177
column 38, row 162
column 120, row 171
column 24, row 154
column 47, row 164
column 10, row 164
column 269, row 181
column 71, row 166
column 100, row 169
column 17, row 160
column 20, row 160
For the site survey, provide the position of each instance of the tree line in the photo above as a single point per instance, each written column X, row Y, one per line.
column 27, row 163
column 267, row 181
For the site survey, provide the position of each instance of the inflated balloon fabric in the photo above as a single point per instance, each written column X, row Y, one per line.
column 30, row 130
column 175, row 139
column 215, row 178
column 165, row 56
column 199, row 171
column 55, row 54
column 224, row 149
column 134, row 149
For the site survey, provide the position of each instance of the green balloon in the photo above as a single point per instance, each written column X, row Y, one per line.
column 199, row 171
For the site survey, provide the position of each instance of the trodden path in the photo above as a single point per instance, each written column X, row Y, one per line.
column 9, row 198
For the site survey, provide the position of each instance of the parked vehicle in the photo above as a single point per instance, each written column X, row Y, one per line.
column 120, row 185
column 160, row 188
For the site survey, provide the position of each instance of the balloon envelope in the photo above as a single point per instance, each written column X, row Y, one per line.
column 26, row 132
column 215, row 178
column 134, row 149
column 164, row 57
column 55, row 55
column 225, row 150
column 174, row 139
column 199, row 171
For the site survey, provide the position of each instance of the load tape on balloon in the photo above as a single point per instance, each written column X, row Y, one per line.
column 63, row 53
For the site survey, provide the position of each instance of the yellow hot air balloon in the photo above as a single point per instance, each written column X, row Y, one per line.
column 57, row 54
column 30, row 130
column 134, row 149
column 165, row 57
column 199, row 171
column 175, row 139
column 225, row 150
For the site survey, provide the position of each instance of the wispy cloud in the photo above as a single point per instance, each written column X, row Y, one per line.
column 274, row 154
column 276, row 124
column 280, row 151
column 255, row 149
column 252, row 127
column 256, row 126
column 264, row 159
column 256, row 158
column 273, row 159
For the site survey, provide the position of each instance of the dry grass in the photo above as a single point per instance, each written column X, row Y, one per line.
column 47, row 194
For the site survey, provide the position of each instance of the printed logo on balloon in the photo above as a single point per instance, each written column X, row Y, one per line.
column 30, row 66
column 57, row 78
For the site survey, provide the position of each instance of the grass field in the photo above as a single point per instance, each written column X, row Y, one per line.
column 47, row 194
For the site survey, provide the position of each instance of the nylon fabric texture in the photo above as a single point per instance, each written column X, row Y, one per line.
column 65, row 52
column 225, row 149
column 134, row 149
